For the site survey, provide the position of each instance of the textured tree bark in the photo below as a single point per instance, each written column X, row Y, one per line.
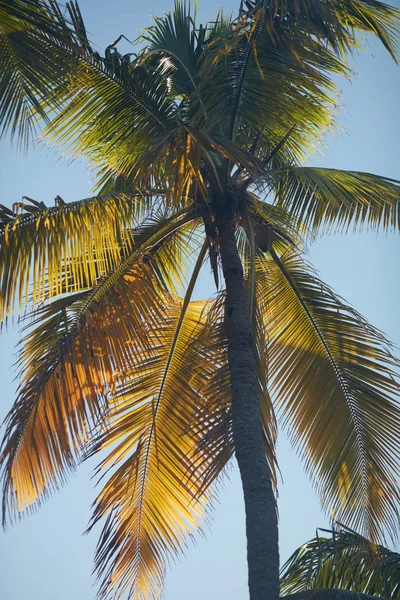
column 259, row 498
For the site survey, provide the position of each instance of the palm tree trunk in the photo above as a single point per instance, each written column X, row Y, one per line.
column 259, row 498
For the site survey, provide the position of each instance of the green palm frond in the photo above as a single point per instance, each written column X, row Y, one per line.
column 254, row 88
column 335, row 382
column 335, row 23
column 50, row 71
column 30, row 34
column 116, row 104
column 72, row 355
column 345, row 560
column 330, row 199
column 40, row 46
column 175, row 44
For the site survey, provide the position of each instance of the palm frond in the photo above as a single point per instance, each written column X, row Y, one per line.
column 72, row 355
column 175, row 43
column 335, row 24
column 118, row 104
column 336, row 384
column 50, row 71
column 254, row 87
column 52, row 250
column 188, row 158
column 36, row 57
column 344, row 560
column 213, row 418
column 150, row 500
column 330, row 199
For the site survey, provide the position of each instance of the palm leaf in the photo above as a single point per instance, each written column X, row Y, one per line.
column 213, row 419
column 73, row 354
column 50, row 69
column 175, row 43
column 116, row 104
column 36, row 51
column 330, row 199
column 188, row 157
column 49, row 251
column 345, row 560
column 248, row 92
column 335, row 23
column 150, row 501
column 335, row 383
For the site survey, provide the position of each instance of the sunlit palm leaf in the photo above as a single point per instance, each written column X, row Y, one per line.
column 150, row 500
column 256, row 88
column 49, row 67
column 213, row 419
column 345, row 560
column 334, row 380
column 48, row 251
column 71, row 358
column 330, row 199
column 118, row 105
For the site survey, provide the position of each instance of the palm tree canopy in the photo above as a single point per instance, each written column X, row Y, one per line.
column 344, row 560
column 117, row 358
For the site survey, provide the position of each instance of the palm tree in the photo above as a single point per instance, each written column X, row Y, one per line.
column 197, row 143
column 345, row 560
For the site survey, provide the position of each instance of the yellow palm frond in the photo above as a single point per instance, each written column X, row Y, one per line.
column 335, row 382
column 45, row 252
column 72, row 355
column 48, row 251
column 150, row 501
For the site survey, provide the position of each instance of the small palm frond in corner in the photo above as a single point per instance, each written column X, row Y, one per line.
column 344, row 560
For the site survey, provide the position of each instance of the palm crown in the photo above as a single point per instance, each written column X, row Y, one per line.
column 117, row 357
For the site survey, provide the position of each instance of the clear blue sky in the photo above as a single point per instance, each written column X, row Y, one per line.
column 45, row 557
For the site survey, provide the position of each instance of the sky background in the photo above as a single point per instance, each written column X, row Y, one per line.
column 46, row 557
